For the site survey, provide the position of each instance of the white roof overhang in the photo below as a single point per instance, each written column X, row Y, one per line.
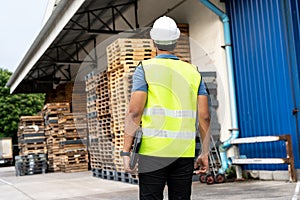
column 57, row 21
column 71, row 27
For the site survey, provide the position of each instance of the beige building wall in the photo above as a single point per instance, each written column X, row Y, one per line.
column 206, row 39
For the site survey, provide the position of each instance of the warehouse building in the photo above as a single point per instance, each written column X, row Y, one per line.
column 248, row 57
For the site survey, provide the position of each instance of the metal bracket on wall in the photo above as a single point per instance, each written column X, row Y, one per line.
column 289, row 159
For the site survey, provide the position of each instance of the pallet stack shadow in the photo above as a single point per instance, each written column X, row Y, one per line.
column 66, row 138
column 32, row 145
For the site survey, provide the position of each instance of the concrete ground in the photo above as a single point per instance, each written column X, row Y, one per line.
column 83, row 186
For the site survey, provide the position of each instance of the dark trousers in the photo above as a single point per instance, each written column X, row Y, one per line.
column 155, row 173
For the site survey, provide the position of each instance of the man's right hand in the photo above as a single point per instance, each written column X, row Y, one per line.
column 201, row 164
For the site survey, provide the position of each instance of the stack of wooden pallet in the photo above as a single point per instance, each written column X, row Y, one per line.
column 78, row 97
column 99, row 122
column 31, row 135
column 30, row 164
column 73, row 146
column 107, row 104
column 105, row 134
column 92, row 121
column 51, row 113
column 182, row 50
column 123, row 55
column 108, row 96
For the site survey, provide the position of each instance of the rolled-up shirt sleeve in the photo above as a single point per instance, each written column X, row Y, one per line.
column 202, row 89
column 139, row 83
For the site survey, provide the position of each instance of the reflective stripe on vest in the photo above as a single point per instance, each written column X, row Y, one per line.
column 169, row 116
column 168, row 134
column 170, row 113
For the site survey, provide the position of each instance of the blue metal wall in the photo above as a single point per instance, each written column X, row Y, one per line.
column 266, row 50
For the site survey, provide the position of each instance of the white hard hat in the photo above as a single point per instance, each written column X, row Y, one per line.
column 165, row 31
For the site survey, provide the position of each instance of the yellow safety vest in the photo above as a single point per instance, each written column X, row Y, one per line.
column 169, row 117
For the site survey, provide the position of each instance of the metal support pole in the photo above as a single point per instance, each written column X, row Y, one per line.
column 231, row 84
column 136, row 14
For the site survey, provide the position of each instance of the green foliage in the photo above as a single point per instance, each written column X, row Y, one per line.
column 230, row 173
column 12, row 107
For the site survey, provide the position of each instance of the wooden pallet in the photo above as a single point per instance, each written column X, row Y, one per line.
column 36, row 150
column 125, row 65
column 26, row 121
column 31, row 129
column 74, row 159
column 130, row 56
column 30, row 164
column 54, row 162
column 71, row 118
column 75, row 168
column 56, row 108
column 127, row 53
